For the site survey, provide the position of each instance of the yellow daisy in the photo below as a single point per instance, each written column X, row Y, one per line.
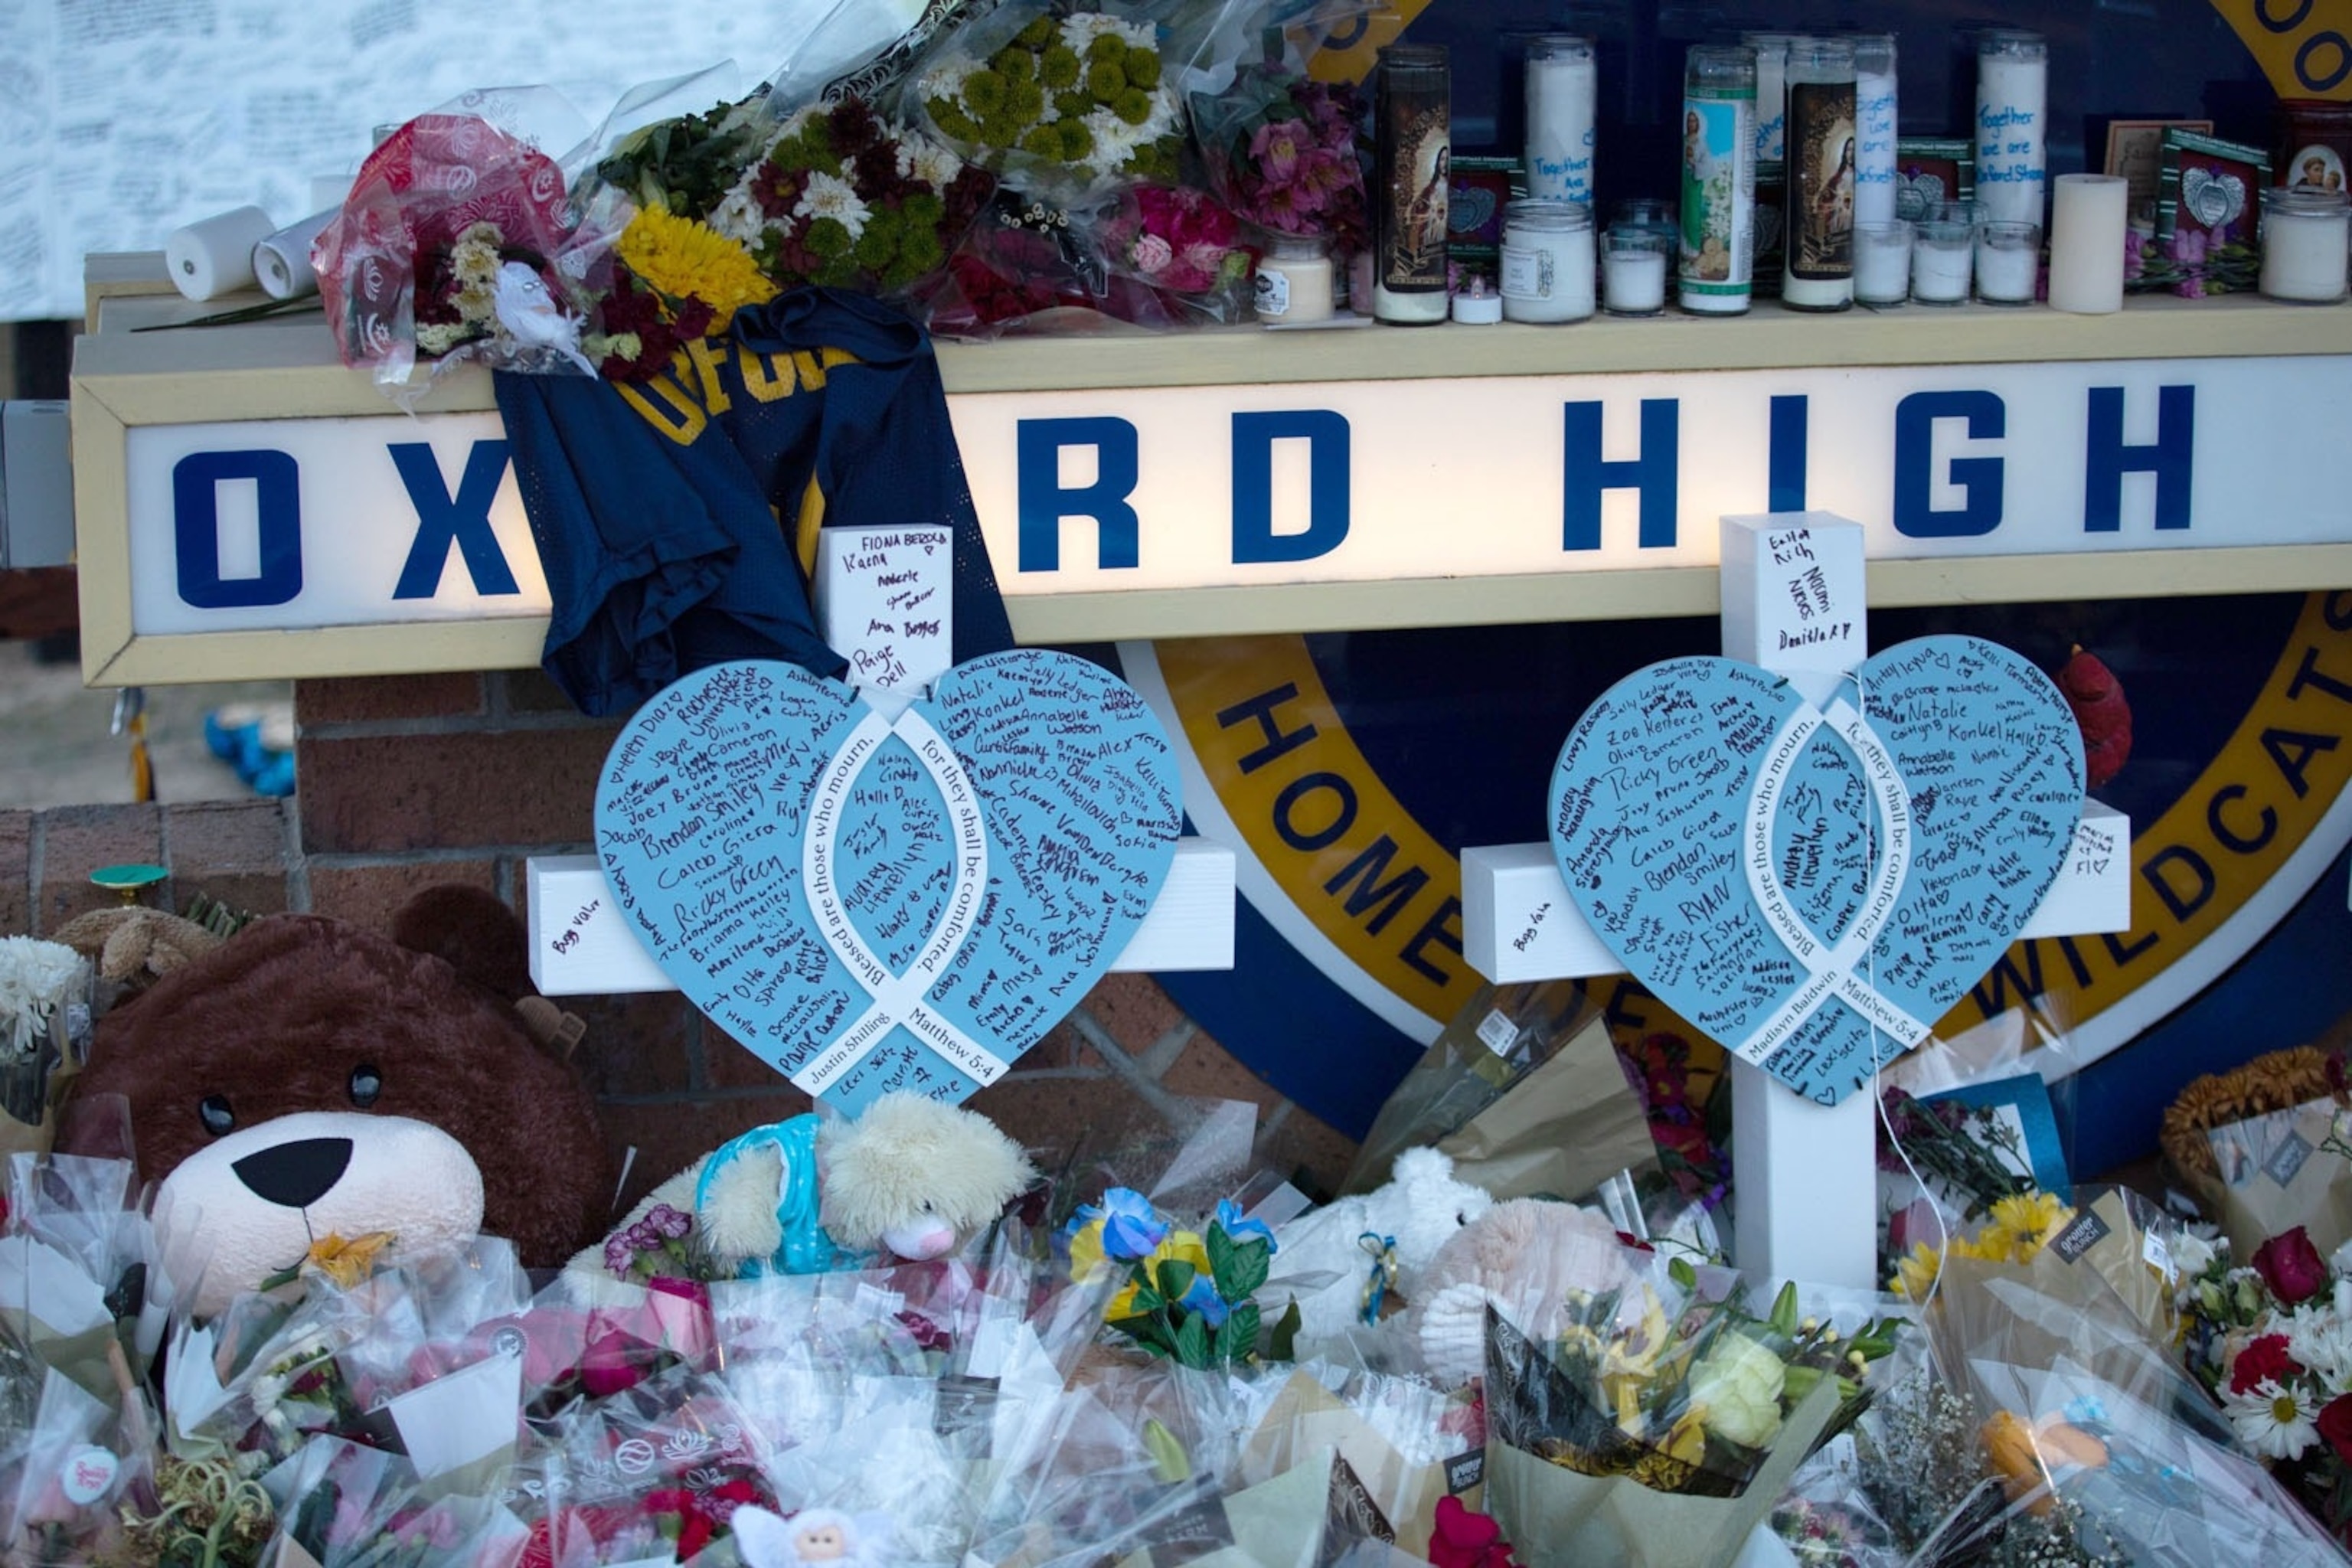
column 681, row 258
column 1915, row 1275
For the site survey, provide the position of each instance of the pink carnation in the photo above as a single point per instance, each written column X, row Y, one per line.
column 1151, row 255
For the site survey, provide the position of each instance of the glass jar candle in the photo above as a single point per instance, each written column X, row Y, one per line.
column 1716, row 236
column 1882, row 262
column 1634, row 270
column 1822, row 149
column 2304, row 245
column 1547, row 261
column 1561, row 89
column 2008, row 262
column 1943, row 261
column 1874, row 128
column 2012, row 114
column 1295, row 282
column 1412, row 125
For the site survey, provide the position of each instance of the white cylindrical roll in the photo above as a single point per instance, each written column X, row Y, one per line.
column 215, row 256
column 1875, row 105
column 2087, row 218
column 282, row 262
column 2012, row 122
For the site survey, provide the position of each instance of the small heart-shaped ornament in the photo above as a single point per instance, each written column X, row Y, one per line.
column 2214, row 200
column 1918, row 192
column 1814, row 889
column 1471, row 209
column 873, row 904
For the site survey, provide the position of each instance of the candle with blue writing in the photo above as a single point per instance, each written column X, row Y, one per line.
column 1822, row 138
column 1874, row 109
column 1772, row 167
column 1561, row 89
column 1412, row 156
column 1717, row 239
column 2012, row 113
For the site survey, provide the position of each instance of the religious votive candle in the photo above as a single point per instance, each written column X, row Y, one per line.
column 1561, row 89
column 1634, row 270
column 2088, row 216
column 1413, row 123
column 1943, row 261
column 1771, row 152
column 2304, row 245
column 1823, row 147
column 1716, row 242
column 2012, row 114
column 2008, row 262
column 1874, row 128
column 1547, row 261
column 1882, row 262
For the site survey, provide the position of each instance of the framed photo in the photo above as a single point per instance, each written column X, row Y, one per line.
column 2210, row 184
column 2136, row 152
column 1930, row 171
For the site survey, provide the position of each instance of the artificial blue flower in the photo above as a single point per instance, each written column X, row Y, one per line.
column 1237, row 1229
column 1201, row 1298
column 1131, row 1227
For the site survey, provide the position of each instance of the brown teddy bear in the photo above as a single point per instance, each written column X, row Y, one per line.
column 311, row 1078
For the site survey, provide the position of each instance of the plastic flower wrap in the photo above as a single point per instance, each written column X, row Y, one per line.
column 677, row 1449
column 845, row 198
column 1187, row 1294
column 1061, row 104
column 1185, row 245
column 446, row 249
column 349, row 1506
column 66, row 1480
column 1282, row 152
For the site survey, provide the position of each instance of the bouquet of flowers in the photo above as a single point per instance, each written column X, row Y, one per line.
column 845, row 198
column 1066, row 104
column 45, row 996
column 1284, row 152
column 1184, row 244
column 1188, row 1296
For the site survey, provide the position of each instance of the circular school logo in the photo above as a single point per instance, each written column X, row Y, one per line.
column 1350, row 772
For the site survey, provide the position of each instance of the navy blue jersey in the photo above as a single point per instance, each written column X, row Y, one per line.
column 677, row 517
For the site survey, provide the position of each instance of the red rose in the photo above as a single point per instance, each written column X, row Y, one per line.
column 2335, row 1426
column 2264, row 1360
column 2290, row 1267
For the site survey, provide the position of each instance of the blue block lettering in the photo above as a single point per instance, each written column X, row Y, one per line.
column 1655, row 473
column 441, row 520
column 1044, row 504
column 1979, row 479
column 2105, row 459
column 195, row 528
column 1784, row 479
column 1326, row 435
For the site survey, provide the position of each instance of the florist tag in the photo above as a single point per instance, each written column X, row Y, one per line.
column 89, row 1475
column 874, row 904
column 1815, row 888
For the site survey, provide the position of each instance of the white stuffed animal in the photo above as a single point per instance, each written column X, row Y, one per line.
column 1523, row 1257
column 1323, row 1260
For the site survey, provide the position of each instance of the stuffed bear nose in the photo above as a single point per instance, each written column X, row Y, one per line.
column 296, row 1174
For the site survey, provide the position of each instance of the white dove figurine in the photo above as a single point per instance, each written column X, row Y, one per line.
column 530, row 314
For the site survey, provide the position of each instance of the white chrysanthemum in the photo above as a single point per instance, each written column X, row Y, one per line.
column 1084, row 28
column 2321, row 1341
column 2191, row 1254
column 739, row 215
column 474, row 261
column 2279, row 1423
column 35, row 977
column 920, row 158
column 946, row 78
column 829, row 195
column 1115, row 142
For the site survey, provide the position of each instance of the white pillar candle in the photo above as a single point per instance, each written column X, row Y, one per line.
column 2012, row 116
column 1561, row 89
column 2304, row 240
column 2008, row 262
column 2088, row 216
column 1875, row 109
column 1882, row 262
column 1943, row 258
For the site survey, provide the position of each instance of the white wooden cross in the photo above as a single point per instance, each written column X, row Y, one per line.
column 884, row 600
column 1806, row 1187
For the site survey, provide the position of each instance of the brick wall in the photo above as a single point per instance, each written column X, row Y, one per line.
column 410, row 780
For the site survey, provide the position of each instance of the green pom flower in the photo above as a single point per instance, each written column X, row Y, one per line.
column 952, row 120
column 1142, row 68
column 984, row 92
column 923, row 210
column 877, row 247
column 1000, row 129
column 1133, row 106
column 1015, row 65
column 1104, row 46
column 838, row 274
column 1077, row 142
column 1036, row 35
column 1043, row 142
column 1106, row 81
column 1059, row 68
column 1074, row 105
column 919, row 254
column 827, row 237
column 1025, row 102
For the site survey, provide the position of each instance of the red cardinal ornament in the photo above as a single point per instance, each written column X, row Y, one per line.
column 2097, row 698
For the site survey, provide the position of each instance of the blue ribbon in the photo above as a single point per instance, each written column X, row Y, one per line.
column 1382, row 1252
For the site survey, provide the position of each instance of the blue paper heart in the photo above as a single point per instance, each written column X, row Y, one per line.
column 871, row 906
column 1814, row 890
